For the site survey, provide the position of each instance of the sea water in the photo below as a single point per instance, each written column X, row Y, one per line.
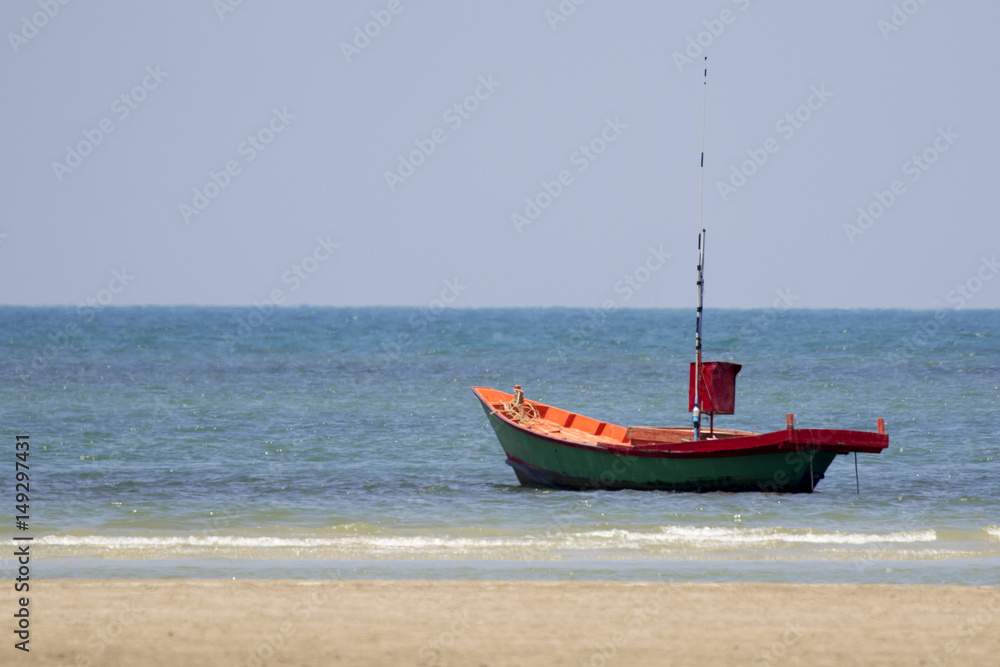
column 346, row 442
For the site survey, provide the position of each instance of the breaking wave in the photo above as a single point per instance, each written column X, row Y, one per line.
column 665, row 541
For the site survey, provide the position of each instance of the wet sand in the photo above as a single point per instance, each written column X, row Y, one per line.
column 375, row 622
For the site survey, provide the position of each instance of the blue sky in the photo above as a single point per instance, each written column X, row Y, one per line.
column 499, row 153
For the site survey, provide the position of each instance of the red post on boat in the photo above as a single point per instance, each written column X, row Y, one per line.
column 717, row 390
column 715, row 394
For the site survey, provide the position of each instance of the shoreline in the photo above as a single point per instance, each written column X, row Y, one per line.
column 865, row 569
column 502, row 622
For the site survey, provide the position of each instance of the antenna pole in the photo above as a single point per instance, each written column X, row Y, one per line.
column 701, row 186
column 696, row 412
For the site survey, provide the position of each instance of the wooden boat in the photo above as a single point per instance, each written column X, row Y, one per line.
column 555, row 448
column 547, row 446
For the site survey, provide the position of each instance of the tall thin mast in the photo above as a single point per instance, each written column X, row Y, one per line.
column 696, row 411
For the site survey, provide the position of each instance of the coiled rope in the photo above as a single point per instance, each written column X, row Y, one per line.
column 519, row 411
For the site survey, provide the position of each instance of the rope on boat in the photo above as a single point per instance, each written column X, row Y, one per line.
column 519, row 411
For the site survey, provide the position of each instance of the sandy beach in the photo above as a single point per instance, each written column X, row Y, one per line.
column 375, row 622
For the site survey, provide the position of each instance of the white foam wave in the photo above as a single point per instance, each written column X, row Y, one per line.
column 994, row 531
column 667, row 539
column 369, row 544
column 721, row 537
column 115, row 542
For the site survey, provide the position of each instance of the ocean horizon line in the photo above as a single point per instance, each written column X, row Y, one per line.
column 301, row 306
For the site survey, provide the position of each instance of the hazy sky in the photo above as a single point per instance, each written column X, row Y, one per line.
column 500, row 153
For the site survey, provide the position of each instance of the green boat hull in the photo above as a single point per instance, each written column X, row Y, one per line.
column 547, row 462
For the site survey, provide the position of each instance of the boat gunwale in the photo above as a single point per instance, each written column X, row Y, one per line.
column 784, row 440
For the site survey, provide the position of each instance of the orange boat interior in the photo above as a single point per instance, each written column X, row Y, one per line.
column 557, row 423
